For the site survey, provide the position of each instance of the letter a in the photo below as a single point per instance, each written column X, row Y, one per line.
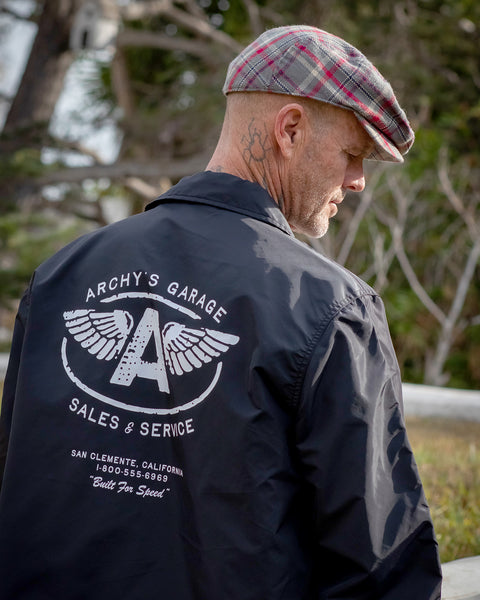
column 131, row 364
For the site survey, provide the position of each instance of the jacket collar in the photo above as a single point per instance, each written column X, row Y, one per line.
column 228, row 192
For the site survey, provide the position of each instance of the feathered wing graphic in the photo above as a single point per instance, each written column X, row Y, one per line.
column 103, row 334
column 187, row 349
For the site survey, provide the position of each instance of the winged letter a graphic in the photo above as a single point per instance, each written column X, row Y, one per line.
column 181, row 348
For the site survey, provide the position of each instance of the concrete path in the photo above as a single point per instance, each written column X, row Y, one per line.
column 3, row 365
column 428, row 401
column 461, row 579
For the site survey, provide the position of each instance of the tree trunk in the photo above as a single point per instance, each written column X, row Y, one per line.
column 45, row 71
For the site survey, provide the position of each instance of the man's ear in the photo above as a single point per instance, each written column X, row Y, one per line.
column 289, row 128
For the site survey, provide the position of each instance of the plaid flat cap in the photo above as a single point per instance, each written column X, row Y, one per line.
column 305, row 61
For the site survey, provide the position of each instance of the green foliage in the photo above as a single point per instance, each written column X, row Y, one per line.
column 25, row 162
column 407, row 319
column 424, row 153
column 26, row 240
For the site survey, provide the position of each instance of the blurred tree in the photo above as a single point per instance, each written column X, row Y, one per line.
column 42, row 81
column 413, row 235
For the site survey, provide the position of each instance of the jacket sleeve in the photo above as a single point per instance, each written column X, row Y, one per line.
column 372, row 535
column 10, row 383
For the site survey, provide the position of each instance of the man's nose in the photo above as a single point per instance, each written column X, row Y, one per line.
column 354, row 178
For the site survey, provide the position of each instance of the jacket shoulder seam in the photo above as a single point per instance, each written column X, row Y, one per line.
column 336, row 308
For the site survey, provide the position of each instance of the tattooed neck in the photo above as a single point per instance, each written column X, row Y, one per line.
column 255, row 143
column 256, row 146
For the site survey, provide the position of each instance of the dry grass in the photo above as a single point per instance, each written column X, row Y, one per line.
column 448, row 457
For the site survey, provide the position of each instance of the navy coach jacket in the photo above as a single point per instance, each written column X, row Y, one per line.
column 200, row 407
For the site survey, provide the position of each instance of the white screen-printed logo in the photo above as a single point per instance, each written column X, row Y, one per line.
column 144, row 349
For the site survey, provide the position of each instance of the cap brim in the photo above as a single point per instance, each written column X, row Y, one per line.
column 384, row 149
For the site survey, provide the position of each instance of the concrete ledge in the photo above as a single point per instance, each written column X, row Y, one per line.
column 3, row 365
column 428, row 401
column 461, row 579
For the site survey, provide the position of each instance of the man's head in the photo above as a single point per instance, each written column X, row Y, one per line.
column 307, row 62
column 304, row 109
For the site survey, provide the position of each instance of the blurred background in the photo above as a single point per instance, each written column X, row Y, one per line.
column 104, row 104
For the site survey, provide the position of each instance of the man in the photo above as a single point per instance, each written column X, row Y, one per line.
column 197, row 405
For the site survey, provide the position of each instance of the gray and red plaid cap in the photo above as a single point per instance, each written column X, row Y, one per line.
column 305, row 61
